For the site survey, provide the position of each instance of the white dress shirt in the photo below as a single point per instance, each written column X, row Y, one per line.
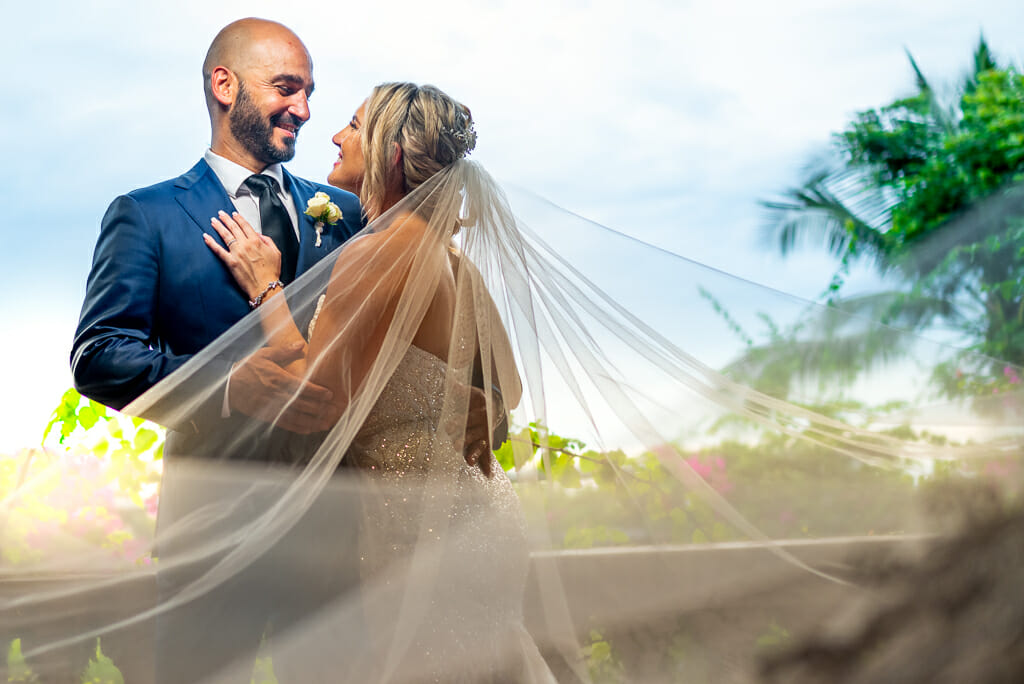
column 232, row 176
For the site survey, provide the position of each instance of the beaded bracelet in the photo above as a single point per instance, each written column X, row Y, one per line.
column 258, row 299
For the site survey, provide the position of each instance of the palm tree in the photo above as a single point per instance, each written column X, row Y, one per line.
column 927, row 190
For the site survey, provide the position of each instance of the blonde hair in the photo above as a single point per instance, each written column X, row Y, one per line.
column 432, row 129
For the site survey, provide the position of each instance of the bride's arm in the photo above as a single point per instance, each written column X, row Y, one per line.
column 255, row 263
column 367, row 304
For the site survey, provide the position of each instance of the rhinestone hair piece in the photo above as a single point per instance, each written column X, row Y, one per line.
column 467, row 137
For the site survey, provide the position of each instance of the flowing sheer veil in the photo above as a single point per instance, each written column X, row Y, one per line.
column 690, row 495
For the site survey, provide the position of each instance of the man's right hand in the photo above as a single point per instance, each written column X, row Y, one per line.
column 261, row 388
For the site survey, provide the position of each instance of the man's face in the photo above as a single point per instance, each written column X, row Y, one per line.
column 269, row 137
column 272, row 102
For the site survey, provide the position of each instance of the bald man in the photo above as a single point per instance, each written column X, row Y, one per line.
column 157, row 295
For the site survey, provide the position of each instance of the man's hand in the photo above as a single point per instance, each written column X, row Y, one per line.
column 262, row 389
column 476, row 444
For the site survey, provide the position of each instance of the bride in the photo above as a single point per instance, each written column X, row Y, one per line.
column 404, row 273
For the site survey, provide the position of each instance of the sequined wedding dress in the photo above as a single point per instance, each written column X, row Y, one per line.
column 469, row 611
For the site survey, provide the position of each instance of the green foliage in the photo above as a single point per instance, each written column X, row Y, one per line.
column 557, row 458
column 932, row 194
column 263, row 665
column 790, row 488
column 957, row 380
column 826, row 346
column 101, row 669
column 95, row 483
column 603, row 664
column 593, row 535
column 773, row 638
column 505, row 456
column 263, row 671
column 17, row 669
column 69, row 415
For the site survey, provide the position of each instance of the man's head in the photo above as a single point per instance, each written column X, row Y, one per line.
column 258, row 77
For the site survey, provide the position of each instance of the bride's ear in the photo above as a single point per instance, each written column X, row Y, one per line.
column 396, row 156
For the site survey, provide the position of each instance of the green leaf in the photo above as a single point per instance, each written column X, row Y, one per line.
column 87, row 417
column 67, row 427
column 263, row 665
column 65, row 415
column 101, row 410
column 144, row 439
column 773, row 637
column 101, row 669
column 505, row 456
column 17, row 669
column 65, row 411
column 263, row 671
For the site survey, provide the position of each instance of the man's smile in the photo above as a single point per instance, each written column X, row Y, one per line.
column 289, row 127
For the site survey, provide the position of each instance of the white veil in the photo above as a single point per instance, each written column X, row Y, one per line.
column 690, row 497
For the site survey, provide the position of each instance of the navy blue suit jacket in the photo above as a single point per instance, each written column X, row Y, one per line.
column 157, row 294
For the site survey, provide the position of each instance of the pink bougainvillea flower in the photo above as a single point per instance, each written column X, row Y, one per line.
column 712, row 471
column 701, row 468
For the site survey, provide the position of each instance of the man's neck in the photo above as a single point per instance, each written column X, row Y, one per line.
column 232, row 151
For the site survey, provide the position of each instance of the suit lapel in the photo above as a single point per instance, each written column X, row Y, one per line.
column 202, row 197
column 307, row 235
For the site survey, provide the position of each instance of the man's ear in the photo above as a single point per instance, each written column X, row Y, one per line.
column 224, row 85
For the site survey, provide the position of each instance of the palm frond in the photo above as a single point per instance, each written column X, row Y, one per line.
column 920, row 80
column 984, row 59
column 943, row 114
column 834, row 344
column 903, row 310
column 828, row 361
column 837, row 207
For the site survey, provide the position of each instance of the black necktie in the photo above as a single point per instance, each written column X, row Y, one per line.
column 275, row 222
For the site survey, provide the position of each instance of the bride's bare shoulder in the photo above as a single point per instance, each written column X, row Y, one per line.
column 407, row 226
column 402, row 233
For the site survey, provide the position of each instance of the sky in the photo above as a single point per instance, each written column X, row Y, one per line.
column 665, row 120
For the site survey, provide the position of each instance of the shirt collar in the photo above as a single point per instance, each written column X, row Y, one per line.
column 232, row 175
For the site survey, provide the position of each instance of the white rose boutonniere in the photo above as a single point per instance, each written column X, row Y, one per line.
column 322, row 210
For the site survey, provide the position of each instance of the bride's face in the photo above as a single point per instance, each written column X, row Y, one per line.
column 348, row 170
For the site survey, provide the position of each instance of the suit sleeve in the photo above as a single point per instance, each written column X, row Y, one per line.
column 113, row 359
